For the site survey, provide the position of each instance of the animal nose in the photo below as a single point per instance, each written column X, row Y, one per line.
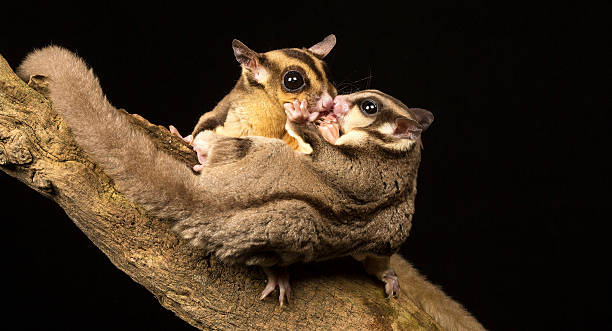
column 340, row 105
column 326, row 101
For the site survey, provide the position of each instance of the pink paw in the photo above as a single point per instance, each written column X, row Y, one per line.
column 202, row 147
column 297, row 112
column 277, row 276
column 392, row 287
column 174, row 131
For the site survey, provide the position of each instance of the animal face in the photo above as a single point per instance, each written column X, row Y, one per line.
column 371, row 114
column 290, row 74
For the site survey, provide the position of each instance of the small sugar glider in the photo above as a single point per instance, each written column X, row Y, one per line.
column 254, row 107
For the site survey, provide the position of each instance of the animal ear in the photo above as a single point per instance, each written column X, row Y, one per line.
column 406, row 128
column 245, row 56
column 324, row 47
column 424, row 117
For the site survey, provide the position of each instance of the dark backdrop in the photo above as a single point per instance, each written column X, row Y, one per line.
column 510, row 216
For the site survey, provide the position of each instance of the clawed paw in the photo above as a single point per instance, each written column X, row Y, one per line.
column 297, row 112
column 392, row 287
column 277, row 276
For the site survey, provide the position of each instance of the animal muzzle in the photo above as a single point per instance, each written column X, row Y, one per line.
column 325, row 103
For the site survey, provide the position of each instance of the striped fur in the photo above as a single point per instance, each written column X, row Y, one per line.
column 254, row 107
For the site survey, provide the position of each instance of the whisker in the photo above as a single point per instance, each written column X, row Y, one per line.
column 368, row 80
column 348, row 87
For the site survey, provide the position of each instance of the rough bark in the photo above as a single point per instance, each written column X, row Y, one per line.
column 37, row 148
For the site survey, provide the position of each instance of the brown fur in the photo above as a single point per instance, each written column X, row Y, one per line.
column 265, row 205
column 381, row 127
column 258, row 202
column 449, row 314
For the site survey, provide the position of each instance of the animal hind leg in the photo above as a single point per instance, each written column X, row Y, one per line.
column 380, row 267
column 277, row 276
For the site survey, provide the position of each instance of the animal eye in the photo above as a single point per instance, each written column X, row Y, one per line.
column 293, row 81
column 369, row 107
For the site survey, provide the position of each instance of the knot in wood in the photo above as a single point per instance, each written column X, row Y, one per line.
column 39, row 83
column 3, row 158
column 4, row 133
column 42, row 183
column 16, row 149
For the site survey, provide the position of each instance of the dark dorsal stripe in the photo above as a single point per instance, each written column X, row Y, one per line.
column 417, row 114
column 274, row 69
column 381, row 136
column 395, row 101
column 386, row 116
column 387, row 139
column 304, row 57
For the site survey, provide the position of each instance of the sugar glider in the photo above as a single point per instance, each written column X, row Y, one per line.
column 254, row 107
column 372, row 128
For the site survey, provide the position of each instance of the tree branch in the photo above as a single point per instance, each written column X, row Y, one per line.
column 37, row 148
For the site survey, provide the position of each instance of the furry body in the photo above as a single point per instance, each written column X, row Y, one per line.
column 449, row 314
column 258, row 201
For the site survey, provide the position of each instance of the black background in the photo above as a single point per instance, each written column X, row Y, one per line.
column 512, row 210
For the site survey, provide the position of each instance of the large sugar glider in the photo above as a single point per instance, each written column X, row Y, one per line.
column 367, row 146
column 365, row 151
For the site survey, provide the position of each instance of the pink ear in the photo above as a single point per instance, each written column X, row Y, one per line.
column 423, row 116
column 407, row 129
column 244, row 55
column 324, row 47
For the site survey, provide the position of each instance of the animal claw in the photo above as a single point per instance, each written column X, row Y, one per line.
column 277, row 277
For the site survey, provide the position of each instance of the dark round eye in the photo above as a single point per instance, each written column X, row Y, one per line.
column 369, row 107
column 293, row 81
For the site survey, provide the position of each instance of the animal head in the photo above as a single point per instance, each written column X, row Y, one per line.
column 290, row 73
column 371, row 114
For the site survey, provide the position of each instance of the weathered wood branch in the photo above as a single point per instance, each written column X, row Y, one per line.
column 37, row 148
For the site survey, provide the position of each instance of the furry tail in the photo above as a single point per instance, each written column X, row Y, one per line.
column 449, row 314
column 127, row 155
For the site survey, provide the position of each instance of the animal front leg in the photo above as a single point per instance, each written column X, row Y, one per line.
column 277, row 276
column 298, row 113
column 202, row 147
column 380, row 267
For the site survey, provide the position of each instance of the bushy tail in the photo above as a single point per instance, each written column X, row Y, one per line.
column 126, row 154
column 449, row 314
